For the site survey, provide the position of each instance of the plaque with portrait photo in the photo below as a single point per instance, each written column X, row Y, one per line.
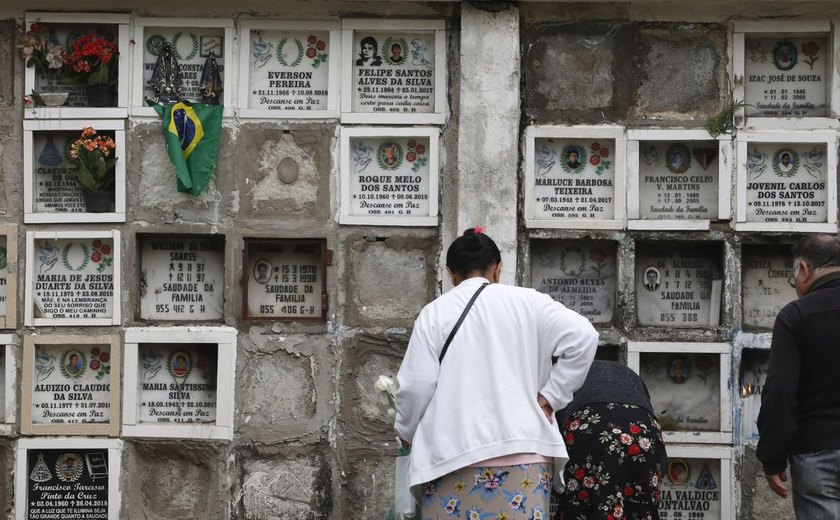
column 689, row 486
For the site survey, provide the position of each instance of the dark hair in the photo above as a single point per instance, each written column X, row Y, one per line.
column 821, row 250
column 472, row 251
column 369, row 40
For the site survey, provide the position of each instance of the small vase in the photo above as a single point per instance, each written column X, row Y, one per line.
column 53, row 99
column 98, row 201
column 100, row 95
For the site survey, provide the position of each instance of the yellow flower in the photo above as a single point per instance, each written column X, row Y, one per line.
column 460, row 486
column 527, row 482
column 503, row 516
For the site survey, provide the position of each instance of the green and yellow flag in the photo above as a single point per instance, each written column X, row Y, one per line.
column 191, row 132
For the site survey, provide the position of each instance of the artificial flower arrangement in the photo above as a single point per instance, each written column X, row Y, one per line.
column 92, row 59
column 94, row 155
column 40, row 50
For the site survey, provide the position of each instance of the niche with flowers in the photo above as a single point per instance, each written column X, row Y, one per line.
column 75, row 68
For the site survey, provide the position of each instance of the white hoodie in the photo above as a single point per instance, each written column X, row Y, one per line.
column 481, row 401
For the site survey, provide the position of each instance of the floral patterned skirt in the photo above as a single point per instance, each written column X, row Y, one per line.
column 499, row 493
column 616, row 456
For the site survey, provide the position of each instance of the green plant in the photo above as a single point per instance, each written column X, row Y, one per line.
column 94, row 155
column 667, row 422
column 718, row 124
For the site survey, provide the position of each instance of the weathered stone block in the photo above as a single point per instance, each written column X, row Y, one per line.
column 172, row 480
column 11, row 168
column 369, row 485
column 285, row 173
column 757, row 501
column 7, row 63
column 7, row 481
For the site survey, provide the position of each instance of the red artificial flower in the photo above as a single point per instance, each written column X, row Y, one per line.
column 634, row 449
column 321, row 45
column 312, row 39
column 106, row 249
column 104, row 357
column 36, row 27
column 628, row 491
column 595, row 147
column 583, row 495
column 411, row 143
column 594, row 160
column 96, row 256
column 96, row 243
column 635, row 430
column 421, row 149
column 410, row 157
column 94, row 364
column 310, row 53
column 605, row 152
column 579, row 473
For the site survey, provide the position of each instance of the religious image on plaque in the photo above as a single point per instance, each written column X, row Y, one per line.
column 754, row 367
column 182, row 277
column 67, row 483
column 765, row 287
column 177, row 383
column 71, row 384
column 786, row 76
column 678, row 285
column 786, row 183
column 286, row 279
column 691, row 488
column 678, row 180
column 580, row 274
column 574, row 179
column 684, row 389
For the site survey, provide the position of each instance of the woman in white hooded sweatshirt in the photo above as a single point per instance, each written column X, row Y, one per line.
column 478, row 414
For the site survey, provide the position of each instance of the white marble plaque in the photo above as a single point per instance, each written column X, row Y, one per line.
column 390, row 176
column 754, row 367
column 74, row 278
column 765, row 284
column 71, row 384
column 289, row 70
column 675, row 285
column 786, row 76
column 574, row 179
column 55, row 187
column 684, row 389
column 786, row 182
column 691, row 489
column 182, row 278
column 4, row 273
column 285, row 280
column 578, row 274
column 192, row 46
column 177, row 383
column 393, row 72
column 678, row 180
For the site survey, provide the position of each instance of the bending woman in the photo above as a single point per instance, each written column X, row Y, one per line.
column 480, row 420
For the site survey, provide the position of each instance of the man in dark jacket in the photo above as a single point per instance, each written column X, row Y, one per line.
column 800, row 404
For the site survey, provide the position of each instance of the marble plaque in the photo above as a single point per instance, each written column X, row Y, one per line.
column 393, row 72
column 177, row 383
column 4, row 273
column 182, row 278
column 192, row 46
column 288, row 70
column 3, row 362
column 578, row 274
column 678, row 285
column 678, row 180
column 71, row 384
column 765, row 284
column 691, row 489
column 74, row 278
column 574, row 179
column 786, row 76
column 66, row 483
column 786, row 182
column 55, row 187
column 390, row 176
column 684, row 389
column 285, row 279
column 754, row 367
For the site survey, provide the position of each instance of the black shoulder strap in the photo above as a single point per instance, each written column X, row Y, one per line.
column 460, row 320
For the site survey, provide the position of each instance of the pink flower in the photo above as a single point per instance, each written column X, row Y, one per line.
column 589, row 481
column 310, row 53
column 321, row 45
column 421, row 149
column 94, row 364
column 410, row 157
column 96, row 256
column 605, row 152
column 312, row 39
column 594, row 160
column 625, row 439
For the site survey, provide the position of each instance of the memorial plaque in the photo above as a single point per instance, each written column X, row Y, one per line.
column 66, row 483
column 691, row 489
column 578, row 274
column 393, row 72
column 192, row 46
column 765, row 284
column 74, row 278
column 177, row 383
column 574, row 179
column 678, row 180
column 3, row 382
column 786, row 76
column 288, row 70
column 4, row 273
column 786, row 182
column 182, row 278
column 71, row 384
column 285, row 279
column 390, row 176
column 678, row 285
column 754, row 367
column 684, row 389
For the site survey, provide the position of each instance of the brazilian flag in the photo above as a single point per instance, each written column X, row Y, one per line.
column 191, row 132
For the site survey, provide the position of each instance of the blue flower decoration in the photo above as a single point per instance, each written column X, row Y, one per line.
column 516, row 499
column 451, row 505
column 537, row 514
